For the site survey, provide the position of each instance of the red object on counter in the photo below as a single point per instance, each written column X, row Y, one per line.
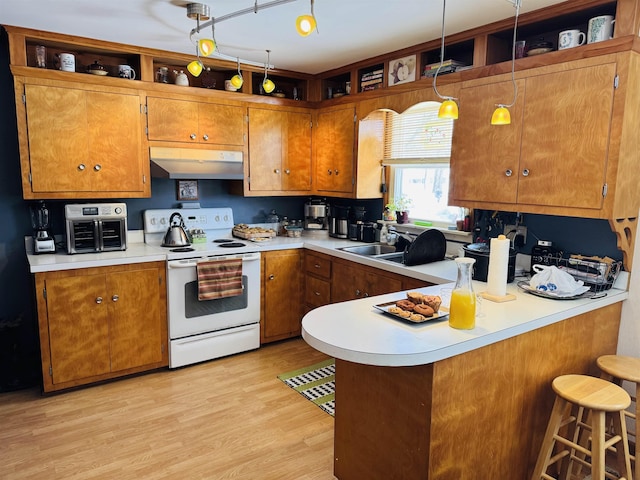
column 466, row 225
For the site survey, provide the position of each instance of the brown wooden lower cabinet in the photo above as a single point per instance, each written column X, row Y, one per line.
column 101, row 323
column 281, row 294
column 478, row 415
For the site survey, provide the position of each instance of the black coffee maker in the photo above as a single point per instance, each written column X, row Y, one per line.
column 338, row 221
column 43, row 241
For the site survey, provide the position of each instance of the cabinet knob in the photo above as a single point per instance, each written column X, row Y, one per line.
column 329, row 172
column 317, row 265
column 317, row 294
column 193, row 136
column 337, row 172
column 205, row 137
column 365, row 295
column 508, row 172
column 99, row 300
column 287, row 171
column 358, row 292
column 276, row 170
column 81, row 167
column 525, row 172
column 115, row 298
column 97, row 167
column 272, row 277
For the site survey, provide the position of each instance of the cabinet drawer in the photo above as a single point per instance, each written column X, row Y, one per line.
column 317, row 265
column 317, row 292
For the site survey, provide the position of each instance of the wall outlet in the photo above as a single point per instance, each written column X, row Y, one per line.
column 511, row 231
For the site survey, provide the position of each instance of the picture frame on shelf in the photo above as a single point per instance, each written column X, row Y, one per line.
column 187, row 189
column 402, row 70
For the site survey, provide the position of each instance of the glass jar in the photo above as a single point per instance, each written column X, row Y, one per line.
column 462, row 310
column 273, row 221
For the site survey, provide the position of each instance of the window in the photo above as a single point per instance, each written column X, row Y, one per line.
column 417, row 148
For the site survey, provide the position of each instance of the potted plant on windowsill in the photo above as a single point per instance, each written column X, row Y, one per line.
column 400, row 205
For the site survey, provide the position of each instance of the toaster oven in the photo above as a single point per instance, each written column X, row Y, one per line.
column 96, row 227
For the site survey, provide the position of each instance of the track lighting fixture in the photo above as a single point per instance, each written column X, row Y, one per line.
column 448, row 108
column 195, row 67
column 306, row 24
column 267, row 84
column 237, row 79
column 501, row 115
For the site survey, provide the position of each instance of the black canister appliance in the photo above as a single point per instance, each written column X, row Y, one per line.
column 480, row 252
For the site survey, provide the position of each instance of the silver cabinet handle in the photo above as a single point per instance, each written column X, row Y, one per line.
column 366, row 294
column 508, row 172
column 337, row 172
column 193, row 136
column 99, row 300
column 525, row 172
column 97, row 167
column 317, row 294
column 272, row 277
column 276, row 170
column 287, row 171
column 317, row 265
column 358, row 292
column 206, row 137
column 329, row 172
column 81, row 167
column 115, row 298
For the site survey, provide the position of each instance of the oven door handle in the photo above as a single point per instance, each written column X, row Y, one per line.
column 192, row 262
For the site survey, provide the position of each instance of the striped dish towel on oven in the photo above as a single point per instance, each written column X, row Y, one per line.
column 219, row 278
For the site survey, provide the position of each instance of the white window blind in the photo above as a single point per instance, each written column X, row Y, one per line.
column 417, row 136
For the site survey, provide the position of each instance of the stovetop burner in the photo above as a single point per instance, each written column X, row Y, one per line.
column 232, row 244
column 182, row 249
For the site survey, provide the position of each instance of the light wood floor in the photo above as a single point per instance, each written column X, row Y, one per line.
column 229, row 418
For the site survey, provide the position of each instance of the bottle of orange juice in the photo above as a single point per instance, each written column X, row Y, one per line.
column 462, row 309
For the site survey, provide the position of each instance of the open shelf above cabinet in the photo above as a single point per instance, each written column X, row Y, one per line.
column 286, row 87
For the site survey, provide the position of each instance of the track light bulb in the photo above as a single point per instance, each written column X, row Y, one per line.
column 448, row 109
column 305, row 25
column 206, row 46
column 501, row 116
column 268, row 86
column 195, row 68
column 237, row 80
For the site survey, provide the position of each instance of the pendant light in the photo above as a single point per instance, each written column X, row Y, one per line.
column 306, row 24
column 200, row 11
column 195, row 67
column 207, row 46
column 448, row 108
column 267, row 84
column 237, row 79
column 501, row 115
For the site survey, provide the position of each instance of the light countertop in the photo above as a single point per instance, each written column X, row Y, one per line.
column 355, row 331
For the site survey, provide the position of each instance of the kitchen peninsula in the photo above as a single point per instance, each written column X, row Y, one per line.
column 430, row 402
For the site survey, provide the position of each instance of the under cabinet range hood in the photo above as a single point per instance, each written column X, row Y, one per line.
column 188, row 163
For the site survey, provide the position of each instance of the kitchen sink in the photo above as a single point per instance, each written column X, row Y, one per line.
column 396, row 257
column 370, row 250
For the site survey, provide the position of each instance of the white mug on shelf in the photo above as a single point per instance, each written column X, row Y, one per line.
column 570, row 39
column 125, row 71
column 67, row 62
column 600, row 28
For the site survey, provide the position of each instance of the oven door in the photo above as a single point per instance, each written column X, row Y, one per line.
column 189, row 316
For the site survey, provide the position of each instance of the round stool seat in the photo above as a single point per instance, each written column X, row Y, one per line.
column 625, row 368
column 591, row 392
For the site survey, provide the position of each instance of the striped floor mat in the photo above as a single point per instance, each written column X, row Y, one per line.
column 316, row 383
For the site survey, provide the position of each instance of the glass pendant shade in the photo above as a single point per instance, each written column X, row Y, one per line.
column 195, row 68
column 305, row 25
column 448, row 109
column 237, row 80
column 268, row 86
column 501, row 116
column 206, row 46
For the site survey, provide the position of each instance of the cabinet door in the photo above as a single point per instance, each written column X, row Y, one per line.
column 172, row 120
column 282, row 299
column 84, row 141
column 347, row 282
column 297, row 154
column 317, row 292
column 78, row 327
column 565, row 137
column 221, row 124
column 265, row 149
column 135, row 318
column 334, row 150
column 485, row 157
column 378, row 283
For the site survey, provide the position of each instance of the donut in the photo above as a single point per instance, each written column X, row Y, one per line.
column 423, row 309
column 405, row 304
column 415, row 297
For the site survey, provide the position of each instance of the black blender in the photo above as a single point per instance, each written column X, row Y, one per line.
column 43, row 242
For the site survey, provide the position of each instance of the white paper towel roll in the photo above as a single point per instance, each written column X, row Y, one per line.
column 498, row 266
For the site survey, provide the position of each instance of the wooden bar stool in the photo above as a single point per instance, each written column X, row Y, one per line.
column 582, row 404
column 617, row 368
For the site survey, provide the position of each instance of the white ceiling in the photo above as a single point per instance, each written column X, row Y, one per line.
column 349, row 30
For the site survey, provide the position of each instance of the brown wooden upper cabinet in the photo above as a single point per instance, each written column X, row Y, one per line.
column 553, row 154
column 334, row 147
column 279, row 152
column 82, row 141
column 188, row 121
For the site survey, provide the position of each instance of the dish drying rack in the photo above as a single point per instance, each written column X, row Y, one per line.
column 598, row 276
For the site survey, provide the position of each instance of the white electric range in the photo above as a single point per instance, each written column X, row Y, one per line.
column 204, row 330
